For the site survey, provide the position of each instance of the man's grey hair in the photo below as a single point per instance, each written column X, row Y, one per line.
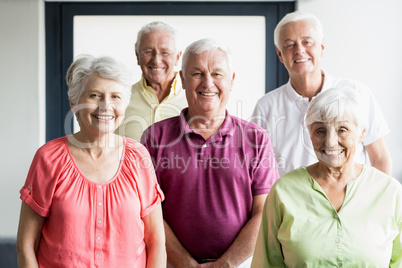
column 156, row 26
column 206, row 44
column 298, row 16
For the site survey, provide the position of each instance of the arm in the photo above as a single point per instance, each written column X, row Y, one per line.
column 177, row 255
column 28, row 237
column 155, row 238
column 243, row 246
column 379, row 156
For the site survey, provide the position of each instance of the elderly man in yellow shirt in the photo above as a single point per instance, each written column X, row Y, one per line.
column 159, row 93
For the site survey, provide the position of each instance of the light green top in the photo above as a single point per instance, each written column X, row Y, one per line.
column 300, row 227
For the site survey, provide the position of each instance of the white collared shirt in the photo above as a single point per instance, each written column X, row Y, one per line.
column 281, row 112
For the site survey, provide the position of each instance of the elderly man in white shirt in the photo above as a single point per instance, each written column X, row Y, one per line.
column 299, row 44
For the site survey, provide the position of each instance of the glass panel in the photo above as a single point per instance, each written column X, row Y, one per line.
column 245, row 36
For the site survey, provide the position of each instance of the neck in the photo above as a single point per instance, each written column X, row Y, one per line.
column 308, row 86
column 344, row 174
column 205, row 125
column 162, row 88
column 95, row 145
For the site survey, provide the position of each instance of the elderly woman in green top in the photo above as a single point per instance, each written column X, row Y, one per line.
column 336, row 212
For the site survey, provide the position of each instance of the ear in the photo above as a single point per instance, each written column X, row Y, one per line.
column 279, row 54
column 177, row 58
column 362, row 136
column 322, row 47
column 138, row 57
column 182, row 79
column 232, row 81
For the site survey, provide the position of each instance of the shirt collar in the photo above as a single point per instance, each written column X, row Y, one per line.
column 227, row 128
column 294, row 96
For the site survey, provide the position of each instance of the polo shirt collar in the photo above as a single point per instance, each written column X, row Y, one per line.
column 294, row 96
column 227, row 128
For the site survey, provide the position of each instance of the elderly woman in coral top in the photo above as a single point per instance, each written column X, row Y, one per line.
column 336, row 212
column 91, row 198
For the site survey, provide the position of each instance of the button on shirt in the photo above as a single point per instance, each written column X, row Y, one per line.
column 300, row 227
column 281, row 112
column 209, row 184
column 144, row 108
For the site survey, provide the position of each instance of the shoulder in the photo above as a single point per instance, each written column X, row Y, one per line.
column 378, row 179
column 351, row 83
column 273, row 95
column 53, row 148
column 293, row 180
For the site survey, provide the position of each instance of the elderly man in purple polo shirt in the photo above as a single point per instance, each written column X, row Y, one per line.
column 215, row 169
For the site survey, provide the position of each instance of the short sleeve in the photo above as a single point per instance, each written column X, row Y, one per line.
column 378, row 126
column 41, row 181
column 268, row 252
column 265, row 171
column 149, row 192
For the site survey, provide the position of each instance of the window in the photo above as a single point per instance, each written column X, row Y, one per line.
column 246, row 27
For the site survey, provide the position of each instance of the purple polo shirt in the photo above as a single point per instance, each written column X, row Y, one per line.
column 209, row 184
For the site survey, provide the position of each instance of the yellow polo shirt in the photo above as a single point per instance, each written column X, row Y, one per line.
column 144, row 108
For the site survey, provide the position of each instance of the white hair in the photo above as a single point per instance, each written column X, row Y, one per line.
column 298, row 16
column 206, row 44
column 334, row 104
column 156, row 26
column 85, row 67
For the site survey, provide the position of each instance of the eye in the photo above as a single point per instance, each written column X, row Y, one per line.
column 309, row 42
column 342, row 131
column 94, row 95
column 165, row 54
column 217, row 75
column 196, row 75
column 289, row 45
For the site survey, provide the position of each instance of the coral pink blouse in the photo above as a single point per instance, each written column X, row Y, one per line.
column 91, row 224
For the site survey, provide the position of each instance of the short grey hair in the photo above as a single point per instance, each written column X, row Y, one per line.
column 156, row 26
column 298, row 16
column 206, row 44
column 86, row 67
column 334, row 103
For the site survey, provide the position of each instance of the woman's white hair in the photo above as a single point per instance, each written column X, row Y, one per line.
column 206, row 44
column 334, row 104
column 86, row 67
column 156, row 26
column 298, row 16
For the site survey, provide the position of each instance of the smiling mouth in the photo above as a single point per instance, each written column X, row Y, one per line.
column 104, row 117
column 208, row 94
column 302, row 60
column 332, row 152
column 156, row 69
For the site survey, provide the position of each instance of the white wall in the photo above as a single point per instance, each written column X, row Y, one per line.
column 21, row 101
column 362, row 42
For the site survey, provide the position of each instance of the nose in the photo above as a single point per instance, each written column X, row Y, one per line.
column 208, row 81
column 331, row 139
column 300, row 49
column 105, row 104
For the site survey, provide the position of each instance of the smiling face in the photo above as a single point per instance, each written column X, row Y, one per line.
column 157, row 57
column 208, row 82
column 335, row 142
column 101, row 107
column 299, row 48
